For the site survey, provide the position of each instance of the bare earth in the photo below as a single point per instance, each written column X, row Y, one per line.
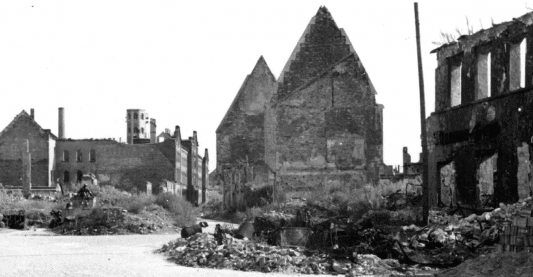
column 41, row 253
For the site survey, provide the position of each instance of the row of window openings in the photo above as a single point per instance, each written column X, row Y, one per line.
column 136, row 116
column 79, row 156
column 66, row 176
column 136, row 130
column 517, row 74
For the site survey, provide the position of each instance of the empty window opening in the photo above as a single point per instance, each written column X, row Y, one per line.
column 66, row 177
column 79, row 176
column 92, row 156
column 129, row 115
column 517, row 65
column 483, row 76
column 142, row 130
column 135, row 130
column 66, row 156
column 79, row 156
column 129, row 130
column 486, row 177
column 135, row 116
column 447, row 184
column 142, row 116
column 455, row 84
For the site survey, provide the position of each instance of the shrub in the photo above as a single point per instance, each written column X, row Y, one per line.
column 184, row 212
column 136, row 202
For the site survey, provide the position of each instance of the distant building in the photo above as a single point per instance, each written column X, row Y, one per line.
column 62, row 160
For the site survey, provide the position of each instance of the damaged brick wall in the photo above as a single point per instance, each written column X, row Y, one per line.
column 40, row 140
column 318, row 124
column 241, row 135
column 487, row 137
column 122, row 165
column 331, row 124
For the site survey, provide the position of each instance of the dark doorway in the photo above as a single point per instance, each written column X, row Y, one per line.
column 66, row 177
column 80, row 175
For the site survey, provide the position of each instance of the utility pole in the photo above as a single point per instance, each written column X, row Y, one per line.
column 425, row 179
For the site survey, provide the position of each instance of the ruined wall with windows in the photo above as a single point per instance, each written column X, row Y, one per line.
column 480, row 135
column 114, row 163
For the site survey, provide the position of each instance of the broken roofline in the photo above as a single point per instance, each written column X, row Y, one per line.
column 485, row 35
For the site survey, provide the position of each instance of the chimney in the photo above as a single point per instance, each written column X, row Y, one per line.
column 177, row 132
column 61, row 124
column 32, row 113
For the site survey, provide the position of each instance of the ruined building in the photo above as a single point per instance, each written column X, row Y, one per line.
column 480, row 135
column 317, row 124
column 58, row 159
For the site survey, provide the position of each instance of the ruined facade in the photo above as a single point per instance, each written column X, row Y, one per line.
column 65, row 161
column 480, row 135
column 317, row 124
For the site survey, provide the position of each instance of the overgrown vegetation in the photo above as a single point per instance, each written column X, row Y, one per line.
column 107, row 196
column 15, row 201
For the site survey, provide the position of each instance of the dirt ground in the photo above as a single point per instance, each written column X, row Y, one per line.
column 42, row 253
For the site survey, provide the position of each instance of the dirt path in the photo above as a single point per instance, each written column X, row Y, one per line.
column 41, row 253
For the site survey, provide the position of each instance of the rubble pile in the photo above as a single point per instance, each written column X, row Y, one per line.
column 201, row 250
column 495, row 264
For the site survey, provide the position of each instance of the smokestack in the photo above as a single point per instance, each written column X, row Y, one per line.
column 32, row 113
column 177, row 132
column 61, row 124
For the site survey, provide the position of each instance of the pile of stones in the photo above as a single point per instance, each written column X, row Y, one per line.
column 201, row 250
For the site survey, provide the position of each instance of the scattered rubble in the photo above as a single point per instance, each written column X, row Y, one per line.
column 378, row 243
column 201, row 250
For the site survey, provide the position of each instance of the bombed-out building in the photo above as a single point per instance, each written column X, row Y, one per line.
column 317, row 124
column 480, row 135
column 61, row 160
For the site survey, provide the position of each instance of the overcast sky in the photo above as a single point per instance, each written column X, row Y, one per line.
column 184, row 61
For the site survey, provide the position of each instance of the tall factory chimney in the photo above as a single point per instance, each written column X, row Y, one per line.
column 61, row 124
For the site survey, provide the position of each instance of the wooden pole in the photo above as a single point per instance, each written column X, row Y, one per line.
column 425, row 179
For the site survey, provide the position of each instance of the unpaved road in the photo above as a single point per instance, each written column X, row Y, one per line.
column 40, row 253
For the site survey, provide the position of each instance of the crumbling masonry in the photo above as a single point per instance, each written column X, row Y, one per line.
column 317, row 124
column 480, row 135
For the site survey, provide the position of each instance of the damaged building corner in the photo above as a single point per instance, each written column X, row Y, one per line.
column 317, row 124
column 480, row 134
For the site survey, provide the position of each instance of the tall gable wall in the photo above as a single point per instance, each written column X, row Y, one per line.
column 21, row 128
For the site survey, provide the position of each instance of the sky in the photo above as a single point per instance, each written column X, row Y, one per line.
column 184, row 61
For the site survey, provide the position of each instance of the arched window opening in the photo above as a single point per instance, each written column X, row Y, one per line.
column 142, row 130
column 92, row 156
column 66, row 177
column 135, row 130
column 66, row 155
column 135, row 116
column 79, row 175
column 79, row 156
column 142, row 116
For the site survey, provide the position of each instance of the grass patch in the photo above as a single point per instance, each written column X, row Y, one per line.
column 184, row 212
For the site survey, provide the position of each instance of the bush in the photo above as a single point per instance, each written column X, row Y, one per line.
column 15, row 202
column 184, row 212
column 136, row 202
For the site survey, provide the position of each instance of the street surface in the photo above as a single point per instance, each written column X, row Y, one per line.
column 41, row 253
